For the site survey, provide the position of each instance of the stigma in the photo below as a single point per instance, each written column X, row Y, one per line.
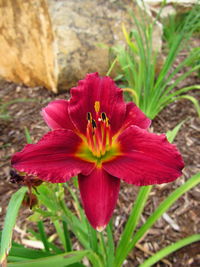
column 98, row 132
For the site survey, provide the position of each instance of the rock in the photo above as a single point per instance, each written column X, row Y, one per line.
column 171, row 7
column 26, row 43
column 55, row 43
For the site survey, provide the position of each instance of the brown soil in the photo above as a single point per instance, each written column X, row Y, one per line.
column 185, row 212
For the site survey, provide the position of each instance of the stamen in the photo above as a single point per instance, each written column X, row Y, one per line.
column 94, row 125
column 103, row 116
column 99, row 137
column 89, row 116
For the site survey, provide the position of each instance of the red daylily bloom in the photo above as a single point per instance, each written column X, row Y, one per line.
column 100, row 138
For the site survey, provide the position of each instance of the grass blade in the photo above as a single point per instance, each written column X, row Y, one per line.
column 193, row 100
column 169, row 249
column 110, row 245
column 61, row 260
column 122, row 249
column 92, row 237
column 52, row 246
column 28, row 136
column 68, row 244
column 164, row 206
column 28, row 253
column 9, row 223
column 60, row 232
column 43, row 236
column 171, row 134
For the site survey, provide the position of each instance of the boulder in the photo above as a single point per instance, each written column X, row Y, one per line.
column 54, row 43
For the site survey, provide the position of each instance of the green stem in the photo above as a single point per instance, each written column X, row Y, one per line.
column 67, row 237
column 43, row 235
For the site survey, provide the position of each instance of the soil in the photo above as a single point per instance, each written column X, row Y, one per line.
column 185, row 212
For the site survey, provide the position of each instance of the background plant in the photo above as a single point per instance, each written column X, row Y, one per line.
column 151, row 80
column 72, row 227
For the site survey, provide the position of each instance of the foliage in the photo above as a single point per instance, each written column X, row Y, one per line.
column 72, row 226
column 151, row 79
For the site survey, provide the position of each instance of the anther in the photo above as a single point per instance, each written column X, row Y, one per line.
column 89, row 116
column 103, row 116
column 94, row 125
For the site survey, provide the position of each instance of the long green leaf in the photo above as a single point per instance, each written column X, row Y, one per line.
column 92, row 237
column 122, row 248
column 75, row 225
column 110, row 245
column 43, row 235
column 169, row 249
column 61, row 260
column 164, row 206
column 28, row 253
column 193, row 100
column 10, row 220
column 68, row 244
column 51, row 244
column 60, row 232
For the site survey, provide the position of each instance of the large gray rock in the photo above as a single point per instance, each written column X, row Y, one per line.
column 55, row 43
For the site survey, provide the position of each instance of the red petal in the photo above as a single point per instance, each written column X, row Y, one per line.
column 51, row 159
column 56, row 115
column 148, row 158
column 99, row 193
column 93, row 89
column 134, row 116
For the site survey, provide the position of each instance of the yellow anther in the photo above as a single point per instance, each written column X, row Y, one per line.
column 97, row 106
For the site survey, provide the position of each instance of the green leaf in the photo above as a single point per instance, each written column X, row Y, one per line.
column 61, row 260
column 77, row 204
column 171, row 134
column 28, row 136
column 142, row 68
column 10, row 220
column 60, row 232
column 123, row 248
column 68, row 244
column 193, row 100
column 47, row 196
column 51, row 245
column 163, row 207
column 92, row 237
column 110, row 245
column 75, row 225
column 43, row 235
column 169, row 249
column 28, row 253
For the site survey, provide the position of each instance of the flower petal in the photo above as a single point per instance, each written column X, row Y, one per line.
column 134, row 116
column 147, row 158
column 99, row 193
column 52, row 158
column 56, row 115
column 96, row 89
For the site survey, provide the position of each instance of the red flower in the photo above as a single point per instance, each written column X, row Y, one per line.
column 100, row 138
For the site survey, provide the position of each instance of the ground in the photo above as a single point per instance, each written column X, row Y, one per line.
column 185, row 212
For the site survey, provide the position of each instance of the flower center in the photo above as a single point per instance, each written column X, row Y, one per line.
column 98, row 145
column 98, row 133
